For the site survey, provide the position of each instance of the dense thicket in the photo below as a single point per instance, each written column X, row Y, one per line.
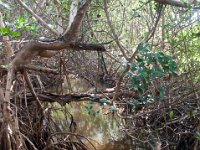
column 141, row 58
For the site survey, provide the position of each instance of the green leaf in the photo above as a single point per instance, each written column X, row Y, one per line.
column 198, row 136
column 135, row 80
column 5, row 31
column 162, row 92
column 144, row 98
column 5, row 66
column 130, row 74
column 131, row 86
column 113, row 109
column 140, row 59
column 21, row 20
column 141, row 88
column 105, row 101
column 135, row 14
column 171, row 115
column 86, row 107
column 134, row 67
column 98, row 112
column 99, row 1
column 157, row 74
column 15, row 34
column 136, row 104
column 142, row 47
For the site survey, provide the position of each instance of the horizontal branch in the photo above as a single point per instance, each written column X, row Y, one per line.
column 76, row 97
column 91, row 47
column 67, row 98
column 42, row 69
column 59, row 45
column 45, row 49
column 178, row 3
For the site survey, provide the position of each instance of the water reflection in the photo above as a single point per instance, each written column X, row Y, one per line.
column 94, row 122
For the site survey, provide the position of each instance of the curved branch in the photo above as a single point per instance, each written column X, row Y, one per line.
column 30, row 86
column 48, row 49
column 153, row 30
column 177, row 3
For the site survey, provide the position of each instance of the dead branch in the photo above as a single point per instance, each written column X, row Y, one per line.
column 77, row 97
column 28, row 81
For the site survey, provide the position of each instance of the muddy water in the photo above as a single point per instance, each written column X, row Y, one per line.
column 95, row 122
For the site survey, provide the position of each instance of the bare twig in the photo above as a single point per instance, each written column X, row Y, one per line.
column 115, row 37
column 71, row 134
column 31, row 143
column 153, row 30
column 28, row 81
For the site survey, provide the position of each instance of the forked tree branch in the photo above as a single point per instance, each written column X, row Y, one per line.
column 73, row 28
column 35, row 48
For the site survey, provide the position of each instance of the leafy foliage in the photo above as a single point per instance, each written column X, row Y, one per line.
column 5, row 31
column 186, row 45
column 20, row 24
column 149, row 67
column 176, row 33
column 91, row 111
column 198, row 136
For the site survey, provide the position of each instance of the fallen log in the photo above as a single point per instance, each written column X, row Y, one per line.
column 75, row 97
